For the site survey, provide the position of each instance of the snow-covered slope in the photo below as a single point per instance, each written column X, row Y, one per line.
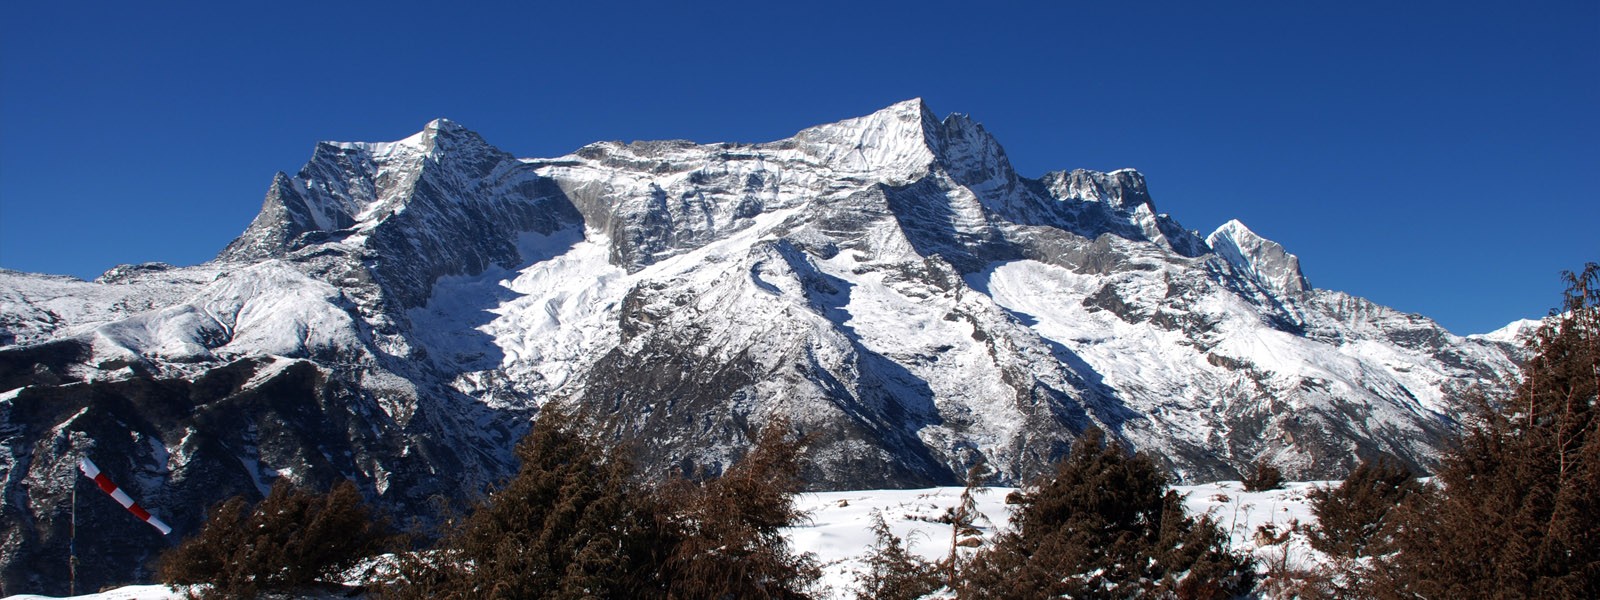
column 35, row 308
column 889, row 284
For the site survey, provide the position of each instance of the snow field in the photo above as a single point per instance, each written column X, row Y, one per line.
column 840, row 528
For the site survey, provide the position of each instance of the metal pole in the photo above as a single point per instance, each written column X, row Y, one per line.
column 72, row 543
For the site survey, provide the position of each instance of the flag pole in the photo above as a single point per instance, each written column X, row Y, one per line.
column 72, row 543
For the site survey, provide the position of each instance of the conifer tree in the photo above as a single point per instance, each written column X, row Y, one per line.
column 1351, row 516
column 292, row 540
column 576, row 522
column 1103, row 525
column 1516, row 515
column 1262, row 477
column 893, row 572
column 732, row 545
column 573, row 523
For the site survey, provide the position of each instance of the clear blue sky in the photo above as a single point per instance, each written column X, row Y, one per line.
column 1438, row 157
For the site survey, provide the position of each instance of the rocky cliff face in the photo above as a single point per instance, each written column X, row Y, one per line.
column 889, row 284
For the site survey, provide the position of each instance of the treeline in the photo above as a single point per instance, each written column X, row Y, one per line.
column 577, row 521
column 1511, row 513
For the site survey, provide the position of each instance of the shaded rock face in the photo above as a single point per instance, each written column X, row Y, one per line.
column 398, row 311
column 443, row 202
column 178, row 446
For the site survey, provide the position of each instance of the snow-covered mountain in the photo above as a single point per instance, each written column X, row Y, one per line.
column 889, row 284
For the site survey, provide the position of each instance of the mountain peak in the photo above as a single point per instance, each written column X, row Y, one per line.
column 443, row 124
column 904, row 141
column 911, row 115
column 1515, row 332
column 1123, row 189
column 969, row 153
column 350, row 184
column 1260, row 257
column 445, row 135
column 1234, row 227
column 914, row 106
column 892, row 143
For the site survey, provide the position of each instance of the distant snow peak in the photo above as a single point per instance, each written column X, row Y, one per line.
column 1259, row 257
column 1515, row 332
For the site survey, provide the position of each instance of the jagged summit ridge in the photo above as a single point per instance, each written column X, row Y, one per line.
column 1262, row 258
column 889, row 284
column 889, row 189
column 352, row 187
column 444, row 199
column 1122, row 189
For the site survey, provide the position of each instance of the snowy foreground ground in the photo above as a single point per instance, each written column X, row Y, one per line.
column 840, row 531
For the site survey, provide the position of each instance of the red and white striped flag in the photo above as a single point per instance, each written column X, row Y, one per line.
column 100, row 479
